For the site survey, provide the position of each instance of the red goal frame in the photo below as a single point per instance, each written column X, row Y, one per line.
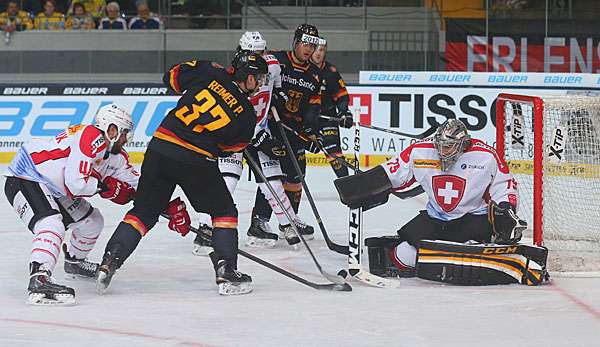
column 537, row 105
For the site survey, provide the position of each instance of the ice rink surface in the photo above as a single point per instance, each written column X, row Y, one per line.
column 165, row 296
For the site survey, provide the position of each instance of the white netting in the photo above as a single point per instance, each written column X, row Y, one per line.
column 571, row 175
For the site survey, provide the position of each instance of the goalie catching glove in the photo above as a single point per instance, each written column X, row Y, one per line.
column 116, row 191
column 507, row 228
column 179, row 219
column 366, row 189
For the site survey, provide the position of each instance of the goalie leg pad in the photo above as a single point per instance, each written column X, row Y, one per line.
column 365, row 189
column 481, row 264
column 381, row 252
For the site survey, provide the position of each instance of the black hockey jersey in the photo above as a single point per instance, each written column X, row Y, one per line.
column 212, row 118
column 301, row 83
column 334, row 96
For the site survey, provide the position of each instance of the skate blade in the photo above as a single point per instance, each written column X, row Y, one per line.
column 101, row 283
column 75, row 277
column 309, row 237
column 40, row 299
column 229, row 288
column 201, row 251
column 260, row 243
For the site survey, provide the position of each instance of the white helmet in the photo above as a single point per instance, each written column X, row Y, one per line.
column 113, row 114
column 252, row 41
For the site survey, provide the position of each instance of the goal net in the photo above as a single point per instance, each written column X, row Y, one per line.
column 552, row 146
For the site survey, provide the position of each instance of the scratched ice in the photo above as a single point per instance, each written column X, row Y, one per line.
column 164, row 296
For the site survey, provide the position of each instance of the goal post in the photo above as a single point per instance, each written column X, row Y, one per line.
column 552, row 147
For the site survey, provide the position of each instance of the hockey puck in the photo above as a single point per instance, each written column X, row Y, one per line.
column 343, row 273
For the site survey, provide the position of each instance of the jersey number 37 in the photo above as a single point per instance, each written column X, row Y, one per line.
column 205, row 103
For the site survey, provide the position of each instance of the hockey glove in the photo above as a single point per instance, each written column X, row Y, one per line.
column 345, row 119
column 179, row 219
column 268, row 145
column 279, row 99
column 507, row 228
column 116, row 191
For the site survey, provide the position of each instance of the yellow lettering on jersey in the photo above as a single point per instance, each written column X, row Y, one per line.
column 191, row 63
column 229, row 99
column 238, row 110
column 427, row 164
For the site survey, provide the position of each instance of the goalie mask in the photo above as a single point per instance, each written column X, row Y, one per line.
column 113, row 115
column 451, row 140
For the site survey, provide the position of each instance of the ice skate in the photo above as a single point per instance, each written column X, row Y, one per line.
column 43, row 291
column 260, row 235
column 201, row 244
column 290, row 235
column 110, row 264
column 231, row 281
column 78, row 267
column 305, row 230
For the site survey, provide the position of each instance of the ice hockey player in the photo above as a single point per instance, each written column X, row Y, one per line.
column 334, row 104
column 267, row 151
column 465, row 181
column 299, row 109
column 47, row 184
column 212, row 118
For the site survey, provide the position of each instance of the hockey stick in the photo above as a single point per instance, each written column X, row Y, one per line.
column 331, row 286
column 402, row 195
column 355, row 239
column 257, row 171
column 420, row 136
column 330, row 244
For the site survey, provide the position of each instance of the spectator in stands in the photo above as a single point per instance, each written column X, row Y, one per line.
column 50, row 19
column 79, row 19
column 13, row 19
column 95, row 8
column 144, row 19
column 113, row 19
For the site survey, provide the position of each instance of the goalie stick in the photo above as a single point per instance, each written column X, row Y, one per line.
column 257, row 171
column 330, row 286
column 420, row 136
column 402, row 195
column 355, row 239
column 330, row 244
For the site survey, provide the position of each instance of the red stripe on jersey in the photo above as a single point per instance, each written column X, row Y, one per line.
column 405, row 154
column 43, row 156
column 173, row 76
column 480, row 146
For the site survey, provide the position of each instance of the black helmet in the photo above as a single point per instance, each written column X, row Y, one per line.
column 306, row 33
column 248, row 63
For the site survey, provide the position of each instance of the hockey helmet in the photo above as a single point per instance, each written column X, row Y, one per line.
column 252, row 41
column 307, row 33
column 249, row 63
column 113, row 115
column 451, row 139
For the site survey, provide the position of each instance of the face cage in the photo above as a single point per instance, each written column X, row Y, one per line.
column 456, row 149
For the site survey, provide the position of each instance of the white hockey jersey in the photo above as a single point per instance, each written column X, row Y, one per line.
column 477, row 176
column 262, row 99
column 71, row 163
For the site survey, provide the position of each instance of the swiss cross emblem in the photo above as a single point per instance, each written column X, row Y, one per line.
column 361, row 104
column 448, row 191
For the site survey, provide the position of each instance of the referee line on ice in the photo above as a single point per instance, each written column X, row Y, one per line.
column 105, row 330
column 575, row 300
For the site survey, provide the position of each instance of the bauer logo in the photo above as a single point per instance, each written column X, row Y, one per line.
column 557, row 146
column 516, row 129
